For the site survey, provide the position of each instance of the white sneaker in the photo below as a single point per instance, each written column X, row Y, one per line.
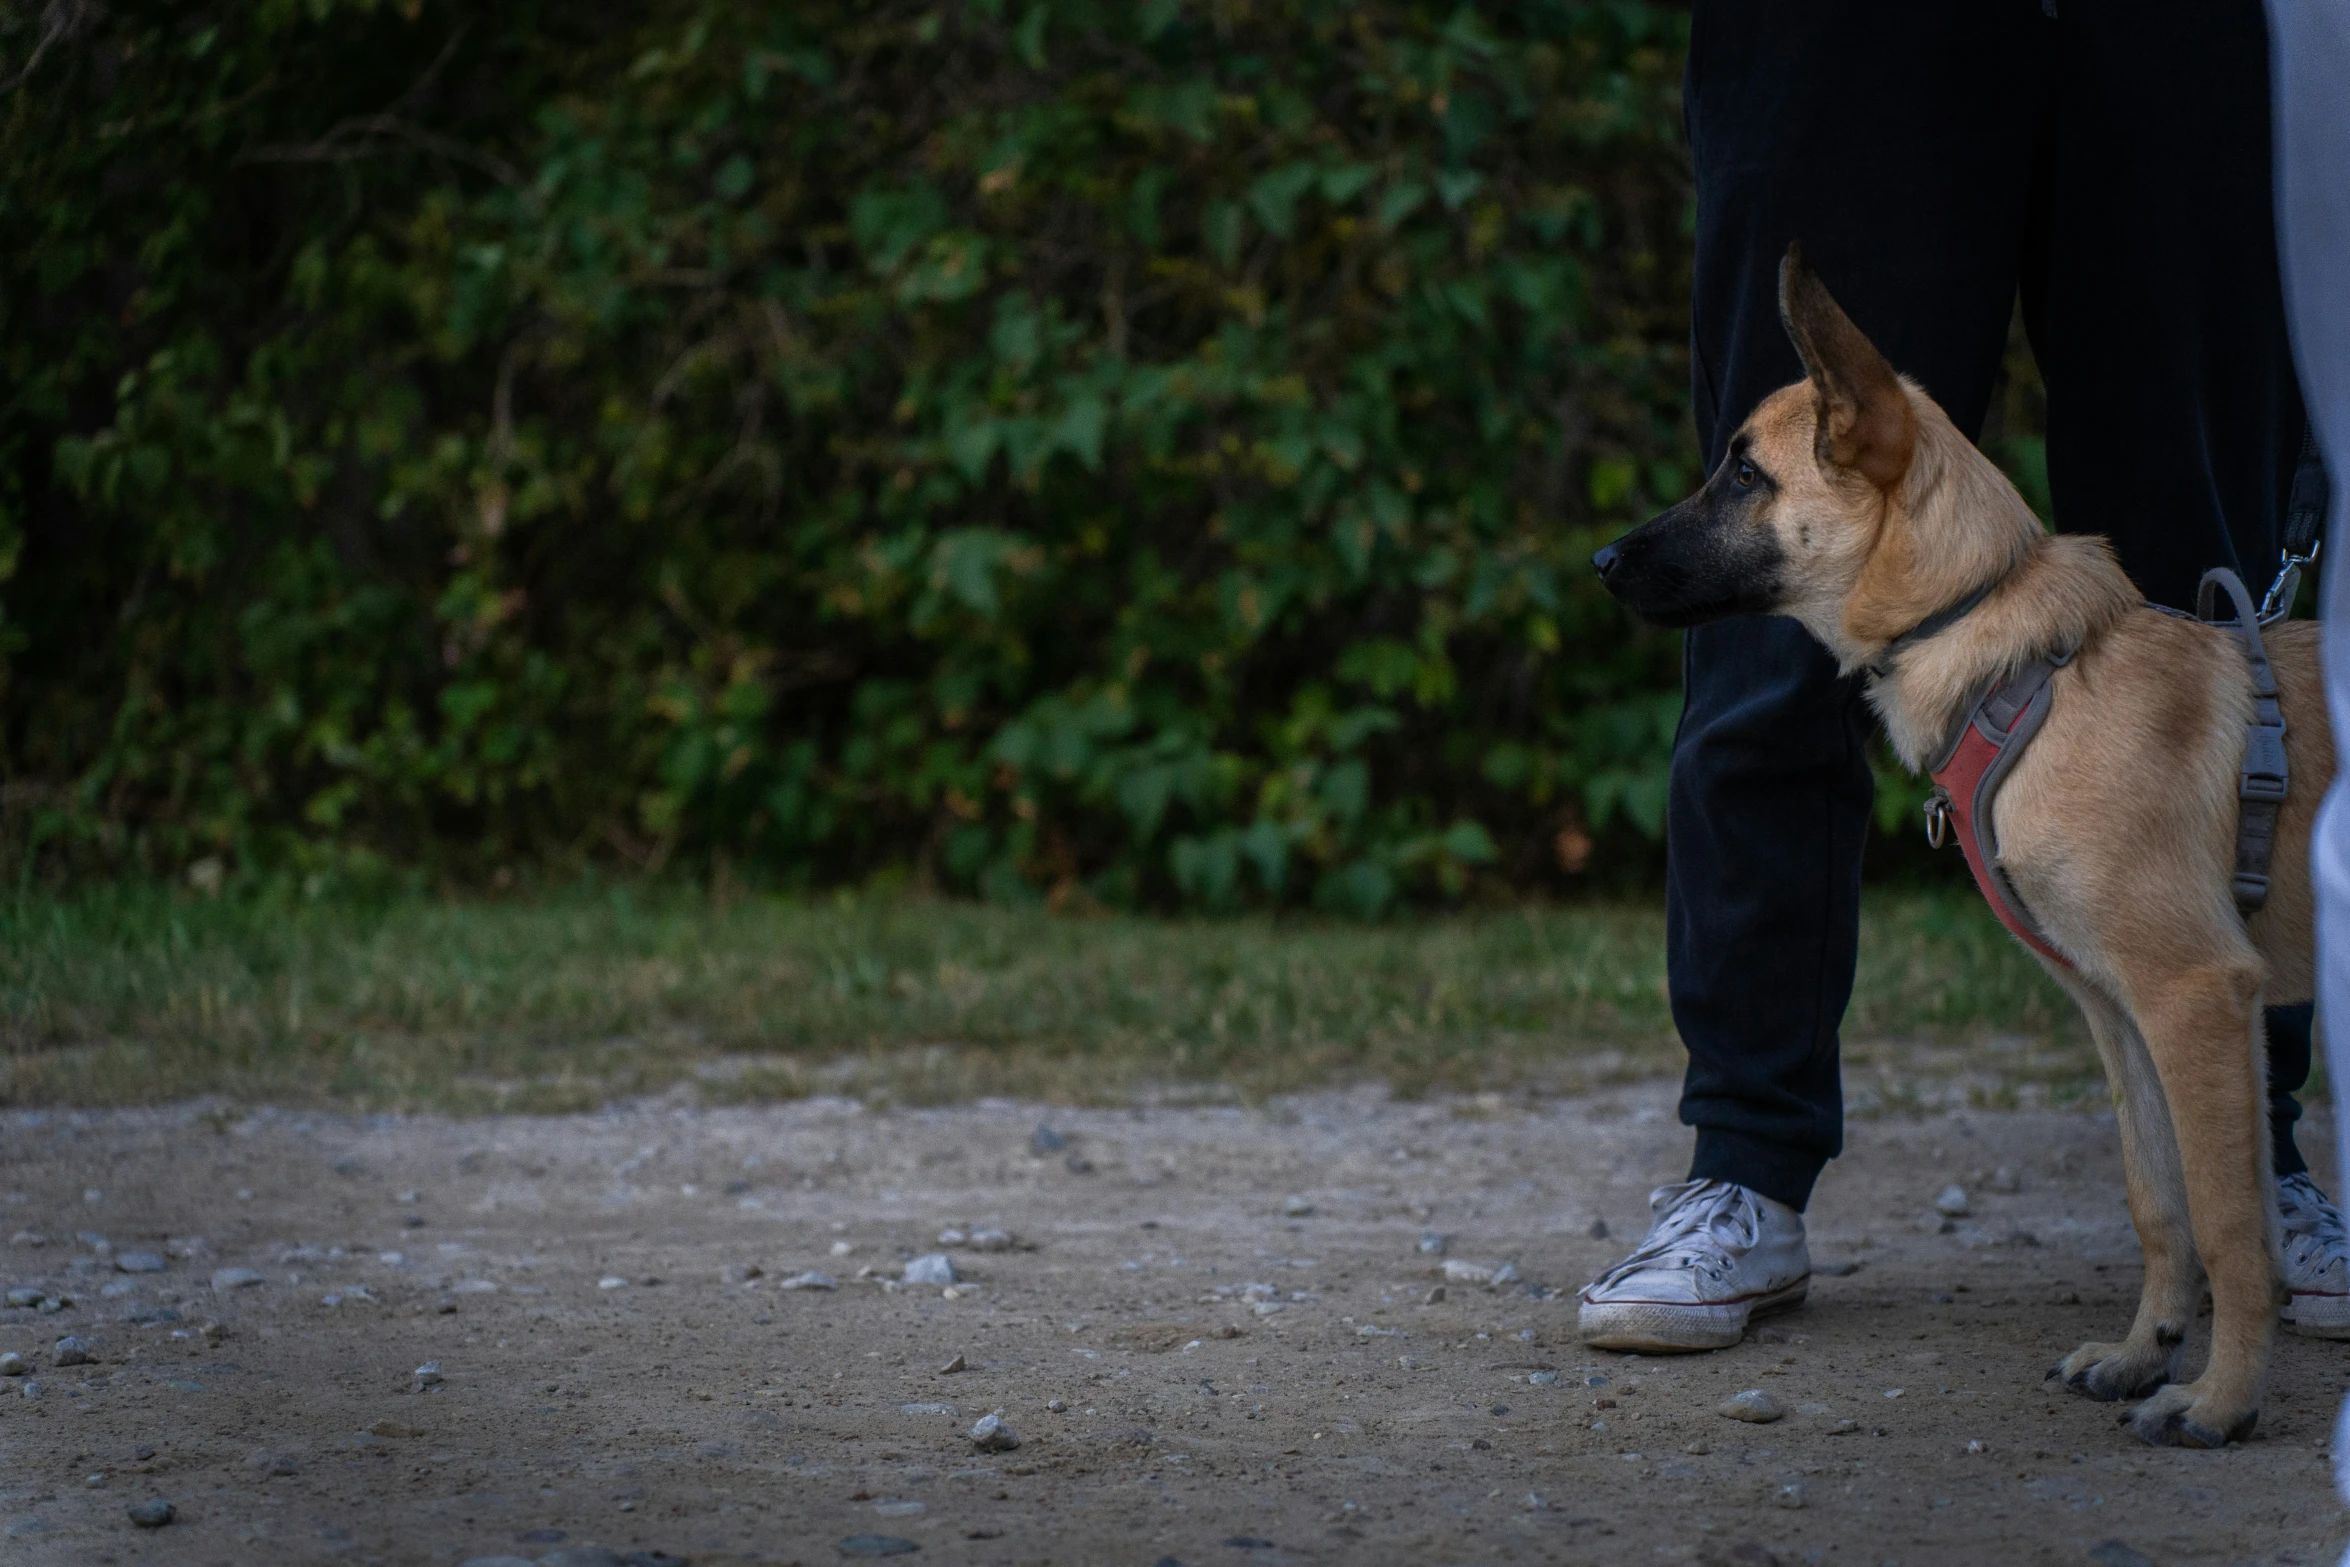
column 2317, row 1261
column 1717, row 1256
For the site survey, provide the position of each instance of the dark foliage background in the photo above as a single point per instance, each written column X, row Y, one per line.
column 1141, row 451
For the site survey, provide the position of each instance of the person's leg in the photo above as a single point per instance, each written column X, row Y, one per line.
column 2311, row 51
column 1895, row 142
column 2289, row 1042
column 2174, row 416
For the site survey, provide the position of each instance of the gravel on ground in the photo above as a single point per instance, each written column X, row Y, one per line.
column 1335, row 1329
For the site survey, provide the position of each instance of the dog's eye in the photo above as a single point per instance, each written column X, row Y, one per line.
column 1746, row 476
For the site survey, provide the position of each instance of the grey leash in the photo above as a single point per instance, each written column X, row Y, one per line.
column 2305, row 515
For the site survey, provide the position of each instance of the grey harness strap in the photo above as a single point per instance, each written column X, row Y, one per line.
column 2261, row 786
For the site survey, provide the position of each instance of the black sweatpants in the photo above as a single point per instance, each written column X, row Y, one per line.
column 2111, row 162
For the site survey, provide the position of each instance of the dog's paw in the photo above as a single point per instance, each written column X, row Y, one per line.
column 2112, row 1372
column 2181, row 1415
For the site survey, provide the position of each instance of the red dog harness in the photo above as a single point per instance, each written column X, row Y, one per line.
column 1968, row 773
column 1967, row 777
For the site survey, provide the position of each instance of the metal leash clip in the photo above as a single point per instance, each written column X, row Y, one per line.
column 1937, row 819
column 2281, row 593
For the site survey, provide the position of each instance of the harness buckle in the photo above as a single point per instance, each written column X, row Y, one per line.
column 1937, row 819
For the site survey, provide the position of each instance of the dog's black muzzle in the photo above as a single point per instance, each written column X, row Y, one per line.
column 1706, row 559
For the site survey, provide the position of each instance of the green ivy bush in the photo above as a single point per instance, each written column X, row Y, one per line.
column 1142, row 451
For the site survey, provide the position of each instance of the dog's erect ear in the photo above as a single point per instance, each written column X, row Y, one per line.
column 1865, row 422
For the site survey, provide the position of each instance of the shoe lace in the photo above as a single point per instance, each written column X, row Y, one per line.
column 1705, row 1223
column 2310, row 1221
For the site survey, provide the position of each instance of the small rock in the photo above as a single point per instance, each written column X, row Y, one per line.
column 1700, row 1447
column 1598, row 1230
column 1753, row 1405
column 2004, row 1179
column 810, row 1280
column 1543, row 1378
column 951, row 1237
column 1296, row 1207
column 140, row 1262
column 1457, row 1271
column 1841, row 1268
column 2116, row 1553
column 71, row 1351
column 742, row 1273
column 875, row 1545
column 585, row 1555
column 13, row 1364
column 153, row 1513
column 428, row 1374
column 1843, row 1427
column 1952, row 1204
column 1434, row 1297
column 2066, row 1298
column 611, row 1281
column 393, row 1428
column 992, row 1435
column 1047, row 1141
column 1789, row 1495
column 1058, row 1406
column 1433, row 1244
column 226, row 1279
column 1507, row 1273
column 34, row 1387
column 952, row 1366
column 931, row 1268
column 274, row 1464
column 94, row 1482
column 25, row 1295
column 949, row 1410
column 991, row 1240
column 1077, row 1164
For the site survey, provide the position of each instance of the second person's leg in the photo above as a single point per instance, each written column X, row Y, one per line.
column 2175, row 416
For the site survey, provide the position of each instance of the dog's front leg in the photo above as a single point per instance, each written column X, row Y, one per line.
column 2148, row 1357
column 2201, row 1027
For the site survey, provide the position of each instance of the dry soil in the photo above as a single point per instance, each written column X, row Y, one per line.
column 1199, row 1369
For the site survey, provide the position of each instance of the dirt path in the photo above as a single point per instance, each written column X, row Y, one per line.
column 1245, row 1384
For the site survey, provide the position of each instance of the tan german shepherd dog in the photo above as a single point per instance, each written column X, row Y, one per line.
column 1850, row 502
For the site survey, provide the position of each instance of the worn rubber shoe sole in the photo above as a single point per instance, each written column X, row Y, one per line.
column 2317, row 1316
column 1663, row 1327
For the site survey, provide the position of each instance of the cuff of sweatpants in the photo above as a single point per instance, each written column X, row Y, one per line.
column 1780, row 1173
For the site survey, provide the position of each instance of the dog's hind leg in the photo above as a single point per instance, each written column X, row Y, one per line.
column 2148, row 1357
column 2201, row 1025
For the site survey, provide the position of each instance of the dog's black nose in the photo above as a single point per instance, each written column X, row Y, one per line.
column 1604, row 561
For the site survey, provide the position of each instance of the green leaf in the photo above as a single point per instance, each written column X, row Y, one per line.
column 889, row 223
column 1274, row 197
column 1400, row 202
column 1028, row 42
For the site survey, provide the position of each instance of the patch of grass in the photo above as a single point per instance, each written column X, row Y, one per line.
column 567, row 1000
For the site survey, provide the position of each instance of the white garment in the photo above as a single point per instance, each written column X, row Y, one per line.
column 2309, row 73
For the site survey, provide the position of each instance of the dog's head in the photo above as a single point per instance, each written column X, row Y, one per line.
column 1814, row 510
